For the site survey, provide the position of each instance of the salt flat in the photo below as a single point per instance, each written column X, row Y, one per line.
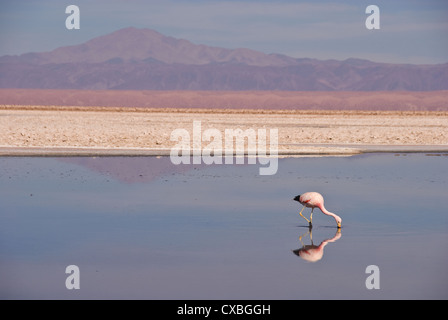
column 36, row 130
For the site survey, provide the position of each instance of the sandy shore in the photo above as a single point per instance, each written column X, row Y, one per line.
column 35, row 130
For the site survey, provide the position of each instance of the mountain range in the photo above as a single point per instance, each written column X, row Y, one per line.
column 144, row 59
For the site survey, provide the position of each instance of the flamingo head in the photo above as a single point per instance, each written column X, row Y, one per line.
column 338, row 221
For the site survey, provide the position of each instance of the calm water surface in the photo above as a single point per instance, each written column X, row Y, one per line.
column 144, row 228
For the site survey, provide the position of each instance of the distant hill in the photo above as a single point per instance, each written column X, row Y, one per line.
column 267, row 100
column 143, row 59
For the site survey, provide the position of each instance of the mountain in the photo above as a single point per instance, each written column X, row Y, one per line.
column 132, row 45
column 143, row 59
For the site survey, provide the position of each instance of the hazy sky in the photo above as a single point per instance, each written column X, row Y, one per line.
column 412, row 31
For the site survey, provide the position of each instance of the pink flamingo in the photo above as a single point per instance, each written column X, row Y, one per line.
column 311, row 252
column 315, row 200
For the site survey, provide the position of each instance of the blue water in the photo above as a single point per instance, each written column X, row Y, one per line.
column 140, row 227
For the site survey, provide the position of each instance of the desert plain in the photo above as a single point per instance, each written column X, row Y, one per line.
column 63, row 130
column 105, row 122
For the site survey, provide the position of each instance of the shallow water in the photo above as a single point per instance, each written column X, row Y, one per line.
column 144, row 228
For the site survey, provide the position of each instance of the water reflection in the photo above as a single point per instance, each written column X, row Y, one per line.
column 311, row 252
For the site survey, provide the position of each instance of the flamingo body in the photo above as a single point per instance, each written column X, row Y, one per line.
column 315, row 200
column 311, row 253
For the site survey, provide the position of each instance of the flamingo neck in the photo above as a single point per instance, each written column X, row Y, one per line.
column 325, row 242
column 328, row 213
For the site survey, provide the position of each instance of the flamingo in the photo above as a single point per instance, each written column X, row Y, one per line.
column 311, row 252
column 315, row 200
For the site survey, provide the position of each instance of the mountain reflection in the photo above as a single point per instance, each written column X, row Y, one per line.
column 131, row 169
column 311, row 252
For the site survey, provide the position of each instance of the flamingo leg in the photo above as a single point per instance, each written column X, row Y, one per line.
column 303, row 235
column 303, row 215
column 311, row 216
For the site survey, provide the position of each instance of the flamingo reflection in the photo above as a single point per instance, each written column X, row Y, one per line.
column 311, row 252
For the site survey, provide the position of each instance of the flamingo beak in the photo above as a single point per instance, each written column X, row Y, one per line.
column 339, row 225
